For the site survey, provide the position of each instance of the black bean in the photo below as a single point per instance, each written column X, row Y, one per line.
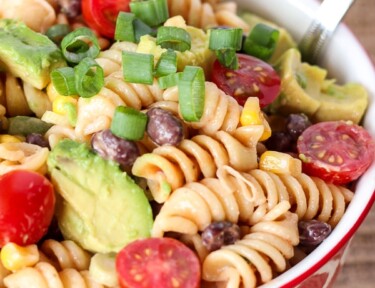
column 163, row 127
column 220, row 233
column 71, row 8
column 114, row 148
column 313, row 232
column 279, row 141
column 37, row 139
column 296, row 124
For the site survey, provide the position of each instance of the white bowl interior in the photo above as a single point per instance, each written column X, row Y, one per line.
column 346, row 61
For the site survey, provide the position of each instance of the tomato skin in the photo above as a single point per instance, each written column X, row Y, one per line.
column 100, row 15
column 27, row 202
column 253, row 78
column 348, row 151
column 158, row 262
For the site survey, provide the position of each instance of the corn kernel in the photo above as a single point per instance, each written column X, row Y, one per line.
column 59, row 104
column 15, row 257
column 252, row 115
column 6, row 138
column 280, row 163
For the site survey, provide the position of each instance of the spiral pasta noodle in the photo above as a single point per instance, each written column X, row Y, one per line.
column 204, row 14
column 265, row 249
column 193, row 159
column 310, row 197
column 45, row 275
column 65, row 254
column 22, row 155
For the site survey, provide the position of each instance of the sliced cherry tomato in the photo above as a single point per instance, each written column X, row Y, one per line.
column 27, row 202
column 101, row 15
column 158, row 262
column 252, row 78
column 336, row 151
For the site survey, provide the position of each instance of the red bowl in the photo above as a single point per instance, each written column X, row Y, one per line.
column 346, row 60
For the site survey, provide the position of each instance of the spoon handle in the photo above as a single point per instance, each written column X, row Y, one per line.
column 322, row 27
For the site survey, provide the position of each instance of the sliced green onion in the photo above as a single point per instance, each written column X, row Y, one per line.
column 63, row 79
column 124, row 27
column 141, row 28
column 169, row 80
column 227, row 58
column 261, row 42
column 225, row 38
column 79, row 44
column 173, row 38
column 151, row 12
column 191, row 93
column 138, row 67
column 128, row 123
column 167, row 64
column 89, row 77
column 57, row 32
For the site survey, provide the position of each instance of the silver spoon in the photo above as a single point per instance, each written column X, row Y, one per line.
column 322, row 28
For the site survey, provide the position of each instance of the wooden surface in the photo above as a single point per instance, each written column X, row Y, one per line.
column 359, row 269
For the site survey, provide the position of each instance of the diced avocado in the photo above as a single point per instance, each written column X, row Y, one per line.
column 346, row 102
column 284, row 42
column 100, row 207
column 306, row 89
column 300, row 85
column 25, row 125
column 27, row 54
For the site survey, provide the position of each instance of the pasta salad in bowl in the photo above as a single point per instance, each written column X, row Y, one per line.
column 165, row 143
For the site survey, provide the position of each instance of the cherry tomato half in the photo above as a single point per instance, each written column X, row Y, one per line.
column 158, row 262
column 336, row 151
column 27, row 202
column 252, row 78
column 101, row 15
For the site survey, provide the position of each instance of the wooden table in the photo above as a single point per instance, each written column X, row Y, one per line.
column 359, row 269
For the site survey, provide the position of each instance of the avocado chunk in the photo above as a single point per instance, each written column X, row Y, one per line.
column 27, row 54
column 100, row 206
column 300, row 85
column 346, row 102
column 284, row 42
column 306, row 89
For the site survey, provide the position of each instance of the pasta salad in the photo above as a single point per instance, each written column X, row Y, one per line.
column 165, row 143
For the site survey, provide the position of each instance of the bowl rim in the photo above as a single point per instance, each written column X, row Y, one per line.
column 343, row 232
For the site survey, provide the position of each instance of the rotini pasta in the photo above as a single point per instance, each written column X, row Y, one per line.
column 44, row 275
column 205, row 14
column 255, row 256
column 191, row 160
column 22, row 156
column 65, row 254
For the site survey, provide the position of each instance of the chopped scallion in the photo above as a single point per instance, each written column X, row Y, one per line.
column 167, row 64
column 261, row 42
column 169, row 80
column 89, row 77
column 79, row 44
column 138, row 67
column 227, row 58
column 191, row 93
column 141, row 28
column 129, row 123
column 225, row 38
column 63, row 79
column 151, row 12
column 57, row 32
column 124, row 27
column 173, row 38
